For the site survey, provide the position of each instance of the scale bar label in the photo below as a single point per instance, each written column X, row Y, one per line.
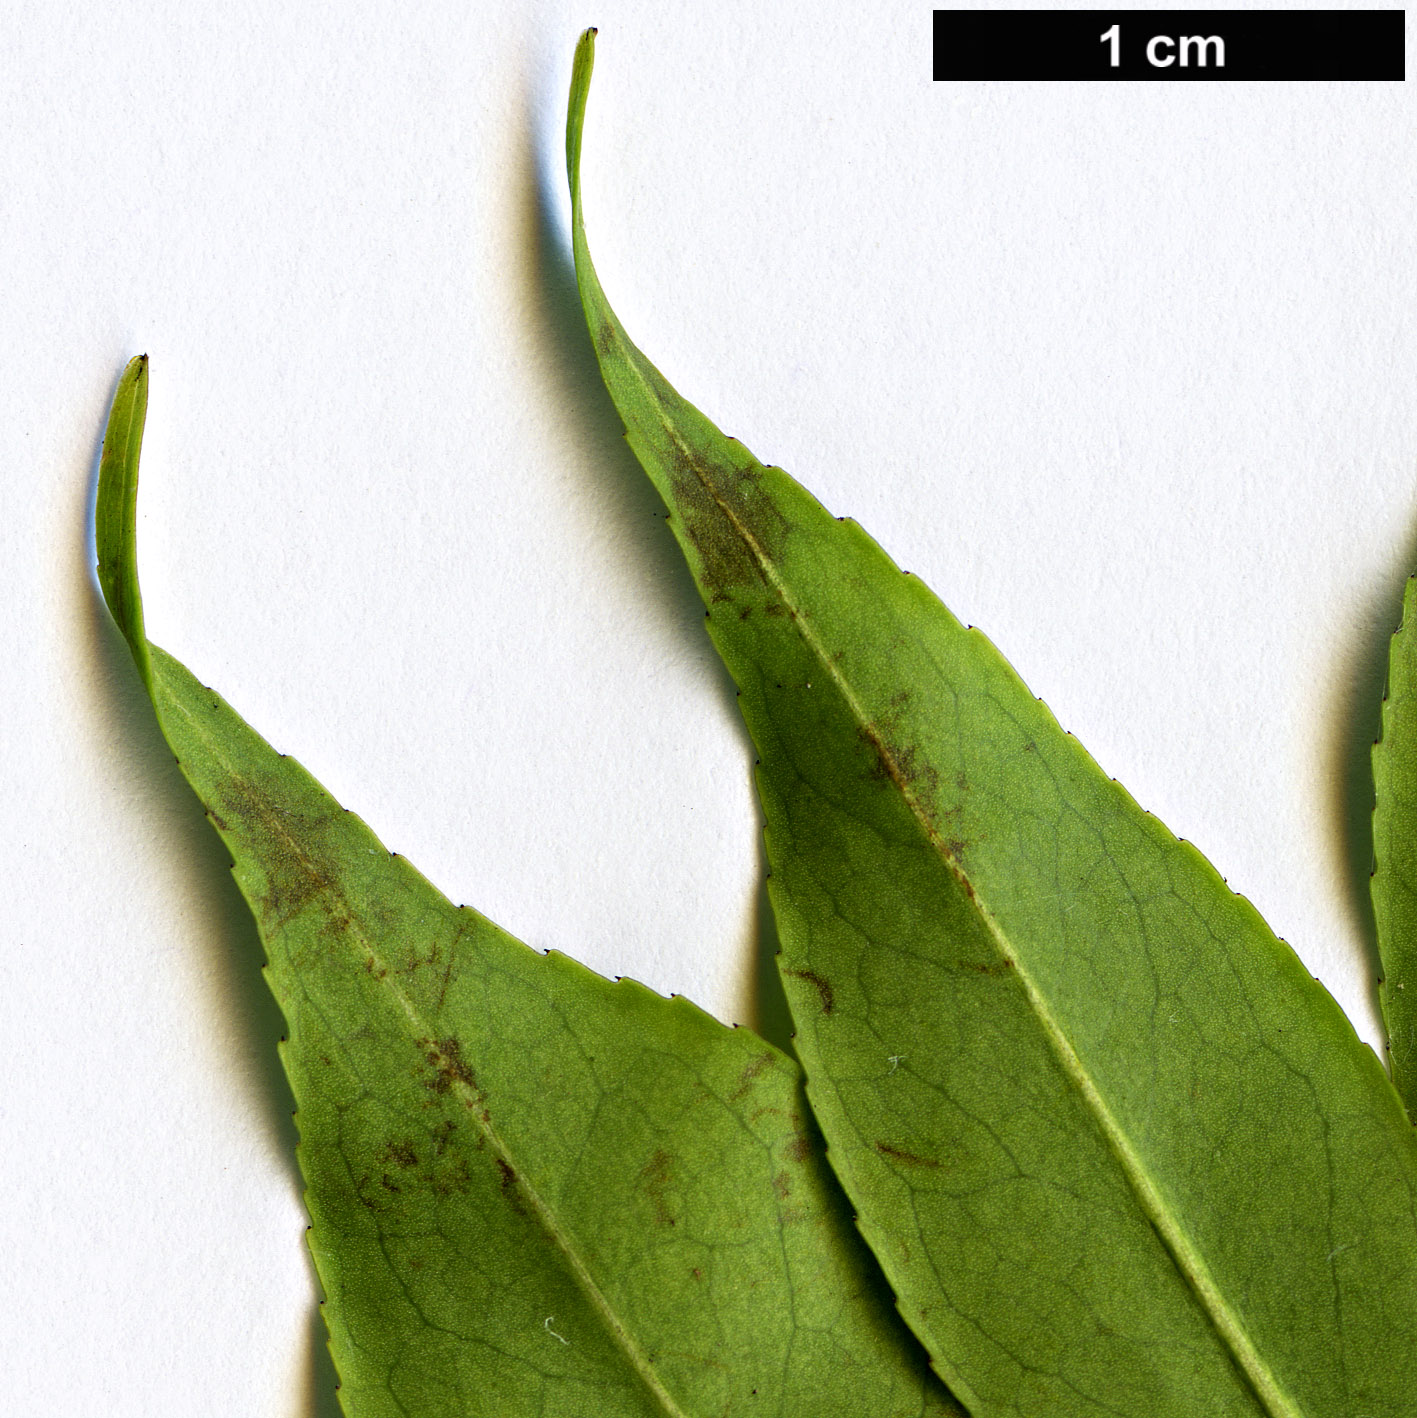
column 1171, row 46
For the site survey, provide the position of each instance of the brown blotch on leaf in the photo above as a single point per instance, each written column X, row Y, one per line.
column 894, row 762
column 375, row 1198
column 993, row 968
column 749, row 1075
column 284, row 898
column 900, row 1155
column 415, row 961
column 655, row 1177
column 300, row 876
column 446, row 1060
column 336, row 923
column 733, row 524
column 401, row 1154
column 823, row 987
column 456, row 1178
column 798, row 1150
column 782, row 1186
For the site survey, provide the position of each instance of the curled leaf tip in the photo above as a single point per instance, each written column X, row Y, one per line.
column 575, row 112
column 115, row 513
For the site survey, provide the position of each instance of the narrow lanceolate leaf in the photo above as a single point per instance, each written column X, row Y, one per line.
column 1395, row 852
column 1115, row 1150
column 533, row 1192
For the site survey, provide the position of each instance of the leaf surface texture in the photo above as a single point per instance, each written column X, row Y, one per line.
column 534, row 1193
column 1116, row 1151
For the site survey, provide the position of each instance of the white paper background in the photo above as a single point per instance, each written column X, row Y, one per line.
column 1124, row 371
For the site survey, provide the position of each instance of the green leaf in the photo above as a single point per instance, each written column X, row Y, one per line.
column 533, row 1192
column 1115, row 1150
column 1394, row 883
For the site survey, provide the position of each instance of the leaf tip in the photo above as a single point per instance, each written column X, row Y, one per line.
column 581, row 70
column 115, row 508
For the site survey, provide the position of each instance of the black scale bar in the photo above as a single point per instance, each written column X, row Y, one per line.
column 1171, row 46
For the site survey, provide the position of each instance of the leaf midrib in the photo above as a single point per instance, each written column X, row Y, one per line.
column 639, row 1362
column 1227, row 1324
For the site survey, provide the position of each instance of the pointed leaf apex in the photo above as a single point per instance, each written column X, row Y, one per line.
column 115, row 512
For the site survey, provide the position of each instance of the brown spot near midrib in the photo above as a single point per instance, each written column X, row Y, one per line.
column 297, row 878
column 449, row 1067
column 995, row 968
column 734, row 528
